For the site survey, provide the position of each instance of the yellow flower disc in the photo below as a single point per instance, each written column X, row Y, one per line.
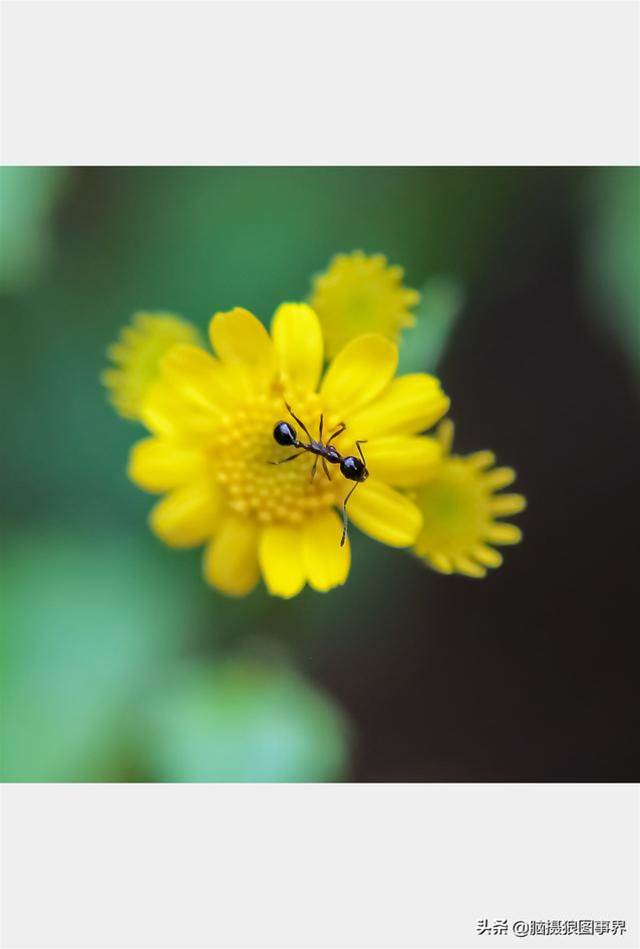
column 361, row 294
column 245, row 449
column 136, row 357
column 460, row 505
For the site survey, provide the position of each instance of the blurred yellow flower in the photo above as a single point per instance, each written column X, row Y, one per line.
column 460, row 505
column 136, row 356
column 361, row 294
column 212, row 420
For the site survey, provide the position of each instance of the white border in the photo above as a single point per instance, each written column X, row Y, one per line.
column 313, row 865
column 469, row 82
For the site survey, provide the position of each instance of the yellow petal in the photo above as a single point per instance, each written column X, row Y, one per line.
column 506, row 504
column 199, row 377
column 297, row 337
column 480, row 460
column 499, row 478
column 410, row 405
column 281, row 562
column 188, row 516
column 468, row 567
column 240, row 339
column 231, row 560
column 168, row 414
column 159, row 411
column 360, row 371
column 445, row 434
column 440, row 562
column 402, row 460
column 487, row 555
column 138, row 354
column 385, row 514
column 326, row 563
column 157, row 466
column 504, row 534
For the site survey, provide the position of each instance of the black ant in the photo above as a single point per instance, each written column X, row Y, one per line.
column 352, row 468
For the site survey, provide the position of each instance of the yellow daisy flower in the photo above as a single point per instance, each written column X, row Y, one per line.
column 212, row 449
column 361, row 294
column 460, row 505
column 137, row 354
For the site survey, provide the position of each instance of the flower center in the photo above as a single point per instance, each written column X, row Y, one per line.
column 245, row 450
column 454, row 509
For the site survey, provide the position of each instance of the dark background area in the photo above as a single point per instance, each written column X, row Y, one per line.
column 538, row 681
column 115, row 654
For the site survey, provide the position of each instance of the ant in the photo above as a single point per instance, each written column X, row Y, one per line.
column 352, row 468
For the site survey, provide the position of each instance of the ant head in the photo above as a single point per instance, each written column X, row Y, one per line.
column 354, row 469
column 285, row 434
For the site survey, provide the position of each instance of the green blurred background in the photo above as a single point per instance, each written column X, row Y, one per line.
column 118, row 663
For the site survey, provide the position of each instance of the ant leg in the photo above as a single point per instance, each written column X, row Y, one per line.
column 325, row 468
column 290, row 458
column 344, row 514
column 299, row 421
column 363, row 441
column 321, row 425
column 340, row 429
column 313, row 470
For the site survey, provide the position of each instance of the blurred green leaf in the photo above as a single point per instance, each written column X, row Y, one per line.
column 422, row 347
column 242, row 720
column 86, row 620
column 27, row 197
column 612, row 254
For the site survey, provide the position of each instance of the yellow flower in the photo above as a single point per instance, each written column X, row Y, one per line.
column 137, row 354
column 361, row 294
column 460, row 506
column 212, row 421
